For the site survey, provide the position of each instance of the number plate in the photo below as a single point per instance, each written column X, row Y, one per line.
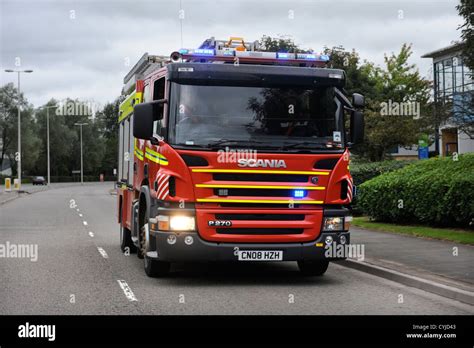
column 260, row 255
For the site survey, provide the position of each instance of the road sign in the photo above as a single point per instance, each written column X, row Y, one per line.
column 423, row 152
column 76, row 172
column 8, row 184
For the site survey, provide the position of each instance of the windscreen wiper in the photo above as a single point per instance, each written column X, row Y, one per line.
column 303, row 145
column 242, row 142
column 223, row 142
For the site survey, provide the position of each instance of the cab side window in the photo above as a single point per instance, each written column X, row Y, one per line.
column 126, row 150
column 147, row 94
column 120, row 152
column 158, row 93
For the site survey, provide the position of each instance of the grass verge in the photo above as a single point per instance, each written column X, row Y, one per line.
column 453, row 235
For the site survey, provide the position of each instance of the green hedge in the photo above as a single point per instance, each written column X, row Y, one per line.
column 362, row 172
column 438, row 191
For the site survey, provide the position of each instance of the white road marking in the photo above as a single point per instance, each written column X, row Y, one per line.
column 126, row 290
column 85, row 223
column 103, row 253
column 77, row 209
column 80, row 215
column 91, row 234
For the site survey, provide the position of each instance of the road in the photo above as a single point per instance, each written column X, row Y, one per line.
column 72, row 276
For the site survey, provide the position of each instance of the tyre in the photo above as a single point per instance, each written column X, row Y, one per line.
column 155, row 268
column 313, row 268
column 126, row 240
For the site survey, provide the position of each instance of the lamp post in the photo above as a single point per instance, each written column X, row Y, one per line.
column 82, row 170
column 47, row 132
column 19, row 122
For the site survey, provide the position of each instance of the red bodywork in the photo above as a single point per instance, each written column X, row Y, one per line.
column 186, row 191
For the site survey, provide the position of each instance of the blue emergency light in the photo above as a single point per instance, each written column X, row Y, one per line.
column 283, row 55
column 299, row 193
column 204, row 51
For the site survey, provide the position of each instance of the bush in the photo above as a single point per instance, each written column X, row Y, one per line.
column 438, row 191
column 361, row 172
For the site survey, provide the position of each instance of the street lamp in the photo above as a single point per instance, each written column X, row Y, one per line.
column 82, row 170
column 19, row 122
column 47, row 131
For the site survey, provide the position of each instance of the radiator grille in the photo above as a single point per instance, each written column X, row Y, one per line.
column 261, row 217
column 260, row 177
column 259, row 231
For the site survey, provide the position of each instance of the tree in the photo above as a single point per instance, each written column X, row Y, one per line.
column 463, row 108
column 61, row 139
column 108, row 126
column 9, row 102
column 398, row 87
column 280, row 44
column 398, row 82
column 466, row 10
column 77, row 111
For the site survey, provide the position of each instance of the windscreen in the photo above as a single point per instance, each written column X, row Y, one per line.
column 273, row 117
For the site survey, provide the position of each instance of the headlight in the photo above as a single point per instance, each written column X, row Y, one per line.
column 176, row 223
column 333, row 224
column 182, row 223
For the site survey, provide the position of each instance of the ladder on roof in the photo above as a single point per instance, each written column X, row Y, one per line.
column 146, row 65
column 149, row 63
column 233, row 42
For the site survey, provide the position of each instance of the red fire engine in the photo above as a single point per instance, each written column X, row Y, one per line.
column 228, row 153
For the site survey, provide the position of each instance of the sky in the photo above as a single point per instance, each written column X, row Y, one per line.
column 83, row 49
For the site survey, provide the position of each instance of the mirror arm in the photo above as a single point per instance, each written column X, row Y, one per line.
column 160, row 101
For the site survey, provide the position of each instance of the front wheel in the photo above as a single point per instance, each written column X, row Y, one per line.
column 126, row 242
column 313, row 268
column 156, row 268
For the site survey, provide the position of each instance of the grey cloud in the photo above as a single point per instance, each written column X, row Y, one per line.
column 85, row 57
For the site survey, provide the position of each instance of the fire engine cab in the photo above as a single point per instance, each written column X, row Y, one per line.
column 231, row 153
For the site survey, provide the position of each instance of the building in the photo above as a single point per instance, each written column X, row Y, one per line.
column 453, row 88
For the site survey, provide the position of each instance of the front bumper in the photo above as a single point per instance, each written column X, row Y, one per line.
column 201, row 250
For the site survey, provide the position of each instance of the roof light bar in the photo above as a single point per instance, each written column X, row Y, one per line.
column 212, row 48
column 285, row 55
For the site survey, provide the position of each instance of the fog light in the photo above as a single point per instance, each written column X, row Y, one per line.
column 342, row 239
column 171, row 239
column 188, row 240
column 328, row 240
